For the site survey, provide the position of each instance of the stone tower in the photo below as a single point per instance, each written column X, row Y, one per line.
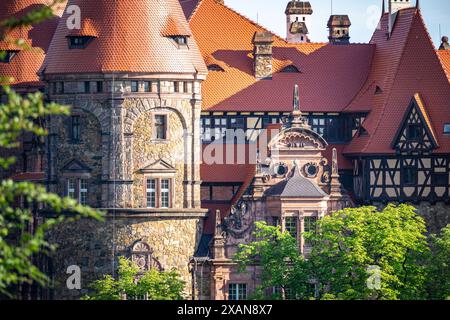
column 339, row 29
column 132, row 73
column 396, row 5
column 298, row 21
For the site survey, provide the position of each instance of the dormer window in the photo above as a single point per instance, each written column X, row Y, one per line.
column 79, row 42
column 414, row 132
column 215, row 67
column 7, row 56
column 447, row 128
column 180, row 40
column 290, row 69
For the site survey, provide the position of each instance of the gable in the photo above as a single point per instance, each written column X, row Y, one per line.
column 415, row 133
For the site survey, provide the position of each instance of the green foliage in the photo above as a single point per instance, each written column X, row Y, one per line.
column 438, row 283
column 345, row 245
column 21, row 238
column 152, row 284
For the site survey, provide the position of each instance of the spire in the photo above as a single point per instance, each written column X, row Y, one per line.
column 296, row 99
column 335, row 184
column 418, row 4
column 383, row 7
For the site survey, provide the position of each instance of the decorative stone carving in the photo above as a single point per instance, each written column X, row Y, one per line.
column 142, row 255
column 239, row 223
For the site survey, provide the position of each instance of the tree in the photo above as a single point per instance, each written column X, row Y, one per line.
column 131, row 285
column 282, row 266
column 438, row 282
column 349, row 248
column 18, row 115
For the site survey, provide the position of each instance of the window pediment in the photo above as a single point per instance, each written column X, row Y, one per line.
column 76, row 166
column 159, row 166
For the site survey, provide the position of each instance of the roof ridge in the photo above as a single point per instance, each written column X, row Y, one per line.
column 381, row 114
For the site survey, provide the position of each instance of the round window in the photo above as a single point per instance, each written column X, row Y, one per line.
column 311, row 170
column 281, row 170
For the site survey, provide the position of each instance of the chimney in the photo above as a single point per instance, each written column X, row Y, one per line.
column 262, row 55
column 444, row 44
column 339, row 28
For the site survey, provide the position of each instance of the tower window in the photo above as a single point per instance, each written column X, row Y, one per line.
column 75, row 128
column 160, row 127
column 78, row 189
column 99, row 86
column 151, row 193
column 134, row 86
column 87, row 87
column 147, row 86
column 165, row 193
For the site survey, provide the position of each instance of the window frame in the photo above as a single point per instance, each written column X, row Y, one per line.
column 158, row 191
column 409, row 168
column 165, row 127
column 134, row 86
column 237, row 291
column 75, row 128
column 77, row 188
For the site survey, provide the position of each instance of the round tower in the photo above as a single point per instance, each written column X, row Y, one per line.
column 298, row 21
column 131, row 72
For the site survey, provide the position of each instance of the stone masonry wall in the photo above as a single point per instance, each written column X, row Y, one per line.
column 89, row 245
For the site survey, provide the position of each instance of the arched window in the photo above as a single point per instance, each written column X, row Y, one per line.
column 290, row 69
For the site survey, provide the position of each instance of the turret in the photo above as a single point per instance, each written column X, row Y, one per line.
column 339, row 28
column 298, row 21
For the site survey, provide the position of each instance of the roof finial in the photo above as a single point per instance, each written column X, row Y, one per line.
column 296, row 99
column 417, row 4
column 383, row 7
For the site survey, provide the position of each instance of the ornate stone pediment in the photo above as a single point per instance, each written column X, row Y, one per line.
column 299, row 138
column 158, row 166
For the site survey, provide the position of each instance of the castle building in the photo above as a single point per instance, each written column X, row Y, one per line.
column 186, row 137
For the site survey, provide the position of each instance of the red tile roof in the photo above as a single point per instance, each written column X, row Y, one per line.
column 404, row 65
column 25, row 65
column 330, row 75
column 130, row 39
column 444, row 55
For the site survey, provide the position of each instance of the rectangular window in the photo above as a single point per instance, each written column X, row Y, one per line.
column 409, row 176
column 291, row 226
column 151, row 193
column 99, row 86
column 309, row 224
column 206, row 129
column 237, row 291
column 165, row 193
column 147, row 86
column 447, row 128
column 71, row 188
column 276, row 221
column 75, row 128
column 439, row 179
column 413, row 132
column 220, row 128
column 87, row 87
column 83, row 192
column 161, row 127
column 134, row 86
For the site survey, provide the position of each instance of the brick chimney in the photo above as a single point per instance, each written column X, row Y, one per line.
column 339, row 27
column 262, row 55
